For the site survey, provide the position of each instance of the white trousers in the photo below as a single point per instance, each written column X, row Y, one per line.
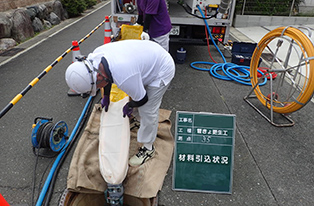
column 149, row 114
column 163, row 41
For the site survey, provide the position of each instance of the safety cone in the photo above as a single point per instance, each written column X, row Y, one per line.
column 75, row 51
column 107, row 39
column 3, row 202
column 108, row 31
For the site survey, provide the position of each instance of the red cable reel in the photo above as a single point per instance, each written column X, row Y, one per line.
column 265, row 70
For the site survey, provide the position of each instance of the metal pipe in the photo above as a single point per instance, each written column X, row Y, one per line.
column 243, row 7
column 292, row 5
column 223, row 7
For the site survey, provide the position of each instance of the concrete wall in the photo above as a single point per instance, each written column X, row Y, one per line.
column 254, row 20
column 307, row 7
column 6, row 5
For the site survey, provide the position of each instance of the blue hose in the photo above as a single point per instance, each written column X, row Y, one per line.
column 233, row 72
column 243, row 79
column 55, row 164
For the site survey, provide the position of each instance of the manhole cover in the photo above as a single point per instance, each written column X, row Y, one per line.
column 11, row 52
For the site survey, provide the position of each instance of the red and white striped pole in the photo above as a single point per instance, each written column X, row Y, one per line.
column 108, row 31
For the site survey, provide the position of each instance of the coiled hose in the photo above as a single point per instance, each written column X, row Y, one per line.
column 231, row 71
column 60, row 157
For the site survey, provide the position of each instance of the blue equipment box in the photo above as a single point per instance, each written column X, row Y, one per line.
column 242, row 53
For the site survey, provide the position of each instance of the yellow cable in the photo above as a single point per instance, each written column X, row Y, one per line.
column 307, row 50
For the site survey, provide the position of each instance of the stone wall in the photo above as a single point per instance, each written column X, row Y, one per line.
column 6, row 5
column 18, row 25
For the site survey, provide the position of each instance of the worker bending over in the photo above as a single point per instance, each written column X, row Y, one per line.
column 142, row 69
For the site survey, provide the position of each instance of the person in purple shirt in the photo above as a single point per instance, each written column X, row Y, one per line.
column 154, row 17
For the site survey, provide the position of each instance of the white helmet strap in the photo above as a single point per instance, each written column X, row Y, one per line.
column 87, row 64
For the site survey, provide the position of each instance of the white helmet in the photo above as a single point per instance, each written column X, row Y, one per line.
column 81, row 77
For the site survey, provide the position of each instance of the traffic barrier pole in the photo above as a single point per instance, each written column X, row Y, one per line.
column 19, row 96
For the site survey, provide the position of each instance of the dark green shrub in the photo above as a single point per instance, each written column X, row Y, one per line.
column 90, row 3
column 74, row 7
column 267, row 7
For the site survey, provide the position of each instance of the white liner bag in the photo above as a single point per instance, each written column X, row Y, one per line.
column 114, row 142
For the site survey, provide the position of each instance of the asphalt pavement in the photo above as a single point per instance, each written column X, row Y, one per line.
column 272, row 165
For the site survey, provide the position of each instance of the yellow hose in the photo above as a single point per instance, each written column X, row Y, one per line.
column 307, row 50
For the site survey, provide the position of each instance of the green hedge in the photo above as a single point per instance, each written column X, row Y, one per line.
column 76, row 7
column 90, row 3
column 267, row 7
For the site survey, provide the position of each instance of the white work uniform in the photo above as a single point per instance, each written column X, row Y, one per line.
column 139, row 67
column 163, row 41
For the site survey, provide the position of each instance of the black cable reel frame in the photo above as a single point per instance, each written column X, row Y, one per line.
column 46, row 134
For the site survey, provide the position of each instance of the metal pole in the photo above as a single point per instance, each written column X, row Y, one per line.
column 292, row 5
column 243, row 7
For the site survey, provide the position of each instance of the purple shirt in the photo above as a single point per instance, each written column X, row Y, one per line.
column 160, row 23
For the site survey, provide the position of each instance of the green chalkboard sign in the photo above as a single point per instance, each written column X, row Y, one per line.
column 203, row 159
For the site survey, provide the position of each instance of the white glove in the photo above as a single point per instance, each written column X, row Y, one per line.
column 136, row 24
column 144, row 36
